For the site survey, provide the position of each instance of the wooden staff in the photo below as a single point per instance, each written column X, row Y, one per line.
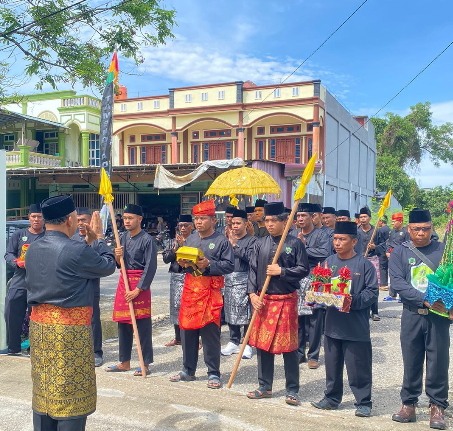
column 263, row 292
column 126, row 286
column 371, row 241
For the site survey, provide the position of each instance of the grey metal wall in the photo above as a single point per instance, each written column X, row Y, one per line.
column 350, row 160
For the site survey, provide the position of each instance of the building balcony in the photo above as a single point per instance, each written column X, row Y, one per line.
column 24, row 158
column 81, row 101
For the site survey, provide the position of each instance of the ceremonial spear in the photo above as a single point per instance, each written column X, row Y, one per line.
column 298, row 195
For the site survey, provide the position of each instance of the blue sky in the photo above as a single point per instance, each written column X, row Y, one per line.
column 364, row 64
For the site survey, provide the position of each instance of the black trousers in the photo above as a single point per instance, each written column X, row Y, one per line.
column 46, row 423
column 126, row 336
column 266, row 370
column 302, row 333
column 384, row 270
column 358, row 359
column 425, row 337
column 235, row 333
column 177, row 333
column 15, row 309
column 210, row 337
column 315, row 331
column 97, row 327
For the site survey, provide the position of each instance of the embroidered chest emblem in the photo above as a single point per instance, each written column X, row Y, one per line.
column 211, row 246
column 411, row 261
column 24, row 238
column 288, row 250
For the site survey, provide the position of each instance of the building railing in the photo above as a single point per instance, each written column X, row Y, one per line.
column 24, row 158
column 72, row 102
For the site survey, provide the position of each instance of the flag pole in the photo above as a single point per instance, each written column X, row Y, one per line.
column 298, row 196
column 385, row 204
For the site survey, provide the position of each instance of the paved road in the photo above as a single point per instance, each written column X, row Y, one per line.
column 130, row 403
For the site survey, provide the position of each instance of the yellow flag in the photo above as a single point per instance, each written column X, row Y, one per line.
column 234, row 200
column 105, row 187
column 385, row 204
column 306, row 177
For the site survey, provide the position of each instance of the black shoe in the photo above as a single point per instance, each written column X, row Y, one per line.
column 324, row 404
column 363, row 411
column 10, row 352
column 302, row 359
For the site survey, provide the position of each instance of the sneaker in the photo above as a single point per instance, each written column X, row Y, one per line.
column 375, row 318
column 98, row 360
column 363, row 411
column 324, row 404
column 248, row 352
column 229, row 349
column 389, row 298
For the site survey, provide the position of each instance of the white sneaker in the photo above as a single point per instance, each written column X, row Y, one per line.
column 248, row 352
column 229, row 349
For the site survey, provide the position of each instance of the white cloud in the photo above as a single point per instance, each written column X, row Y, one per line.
column 431, row 176
column 442, row 112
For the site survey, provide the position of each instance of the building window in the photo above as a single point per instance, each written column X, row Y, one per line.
column 295, row 91
column 228, row 151
column 258, row 95
column 8, row 142
column 310, row 127
column 285, row 128
column 50, row 135
column 297, row 152
column 223, row 133
column 277, row 93
column 163, row 154
column 139, row 106
column 188, row 98
column 123, row 107
column 196, row 155
column 94, row 150
column 272, row 149
column 156, row 104
column 309, row 148
column 153, row 137
column 205, row 152
column 131, row 139
column 142, row 155
column 50, row 148
column 132, row 155
column 260, row 130
column 195, row 135
column 221, row 94
column 204, row 97
column 260, row 150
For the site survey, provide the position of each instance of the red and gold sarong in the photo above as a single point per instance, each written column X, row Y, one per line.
column 201, row 301
column 62, row 361
column 142, row 304
column 275, row 327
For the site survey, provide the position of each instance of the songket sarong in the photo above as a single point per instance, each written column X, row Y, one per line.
column 236, row 301
column 142, row 303
column 276, row 325
column 201, row 301
column 62, row 361
column 302, row 308
column 176, row 283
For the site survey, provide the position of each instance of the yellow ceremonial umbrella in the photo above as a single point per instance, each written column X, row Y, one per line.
column 243, row 181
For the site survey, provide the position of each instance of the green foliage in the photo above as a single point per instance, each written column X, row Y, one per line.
column 75, row 44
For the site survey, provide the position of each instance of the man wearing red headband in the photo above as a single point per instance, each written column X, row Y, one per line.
column 202, row 301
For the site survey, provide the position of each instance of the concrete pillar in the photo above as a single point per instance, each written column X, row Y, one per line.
column 24, row 155
column 62, row 147
column 174, row 148
column 85, row 148
column 316, row 134
column 241, row 142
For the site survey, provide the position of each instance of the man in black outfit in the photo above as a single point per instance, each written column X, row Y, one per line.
column 424, row 335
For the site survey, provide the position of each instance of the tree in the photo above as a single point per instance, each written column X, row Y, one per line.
column 401, row 144
column 68, row 42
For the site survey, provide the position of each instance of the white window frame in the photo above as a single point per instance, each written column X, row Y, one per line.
column 188, row 98
column 139, row 106
column 156, row 104
column 277, row 93
column 221, row 94
column 258, row 95
column 123, row 107
column 295, row 91
column 204, row 97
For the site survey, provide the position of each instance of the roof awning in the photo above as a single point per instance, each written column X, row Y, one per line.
column 8, row 119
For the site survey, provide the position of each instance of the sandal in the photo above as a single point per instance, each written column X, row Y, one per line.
column 138, row 372
column 259, row 394
column 172, row 343
column 214, row 382
column 182, row 376
column 292, row 399
column 116, row 369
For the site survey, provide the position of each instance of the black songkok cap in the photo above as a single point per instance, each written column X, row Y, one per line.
column 328, row 210
column 57, row 207
column 83, row 210
column 345, row 228
column 230, row 209
column 418, row 215
column 259, row 203
column 185, row 218
column 240, row 213
column 365, row 210
column 274, row 208
column 317, row 208
column 133, row 209
column 356, row 215
column 249, row 210
column 344, row 213
column 34, row 208
column 305, row 207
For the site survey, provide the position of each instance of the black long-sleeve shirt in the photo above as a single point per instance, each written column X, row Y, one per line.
column 293, row 260
column 243, row 251
column 318, row 246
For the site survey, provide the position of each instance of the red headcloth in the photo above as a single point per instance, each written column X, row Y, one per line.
column 398, row 216
column 206, row 208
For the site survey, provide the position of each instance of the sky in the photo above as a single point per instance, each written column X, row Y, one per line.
column 364, row 64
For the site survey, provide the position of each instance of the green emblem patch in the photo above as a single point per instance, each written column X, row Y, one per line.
column 288, row 250
column 411, row 261
column 211, row 245
column 24, row 238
